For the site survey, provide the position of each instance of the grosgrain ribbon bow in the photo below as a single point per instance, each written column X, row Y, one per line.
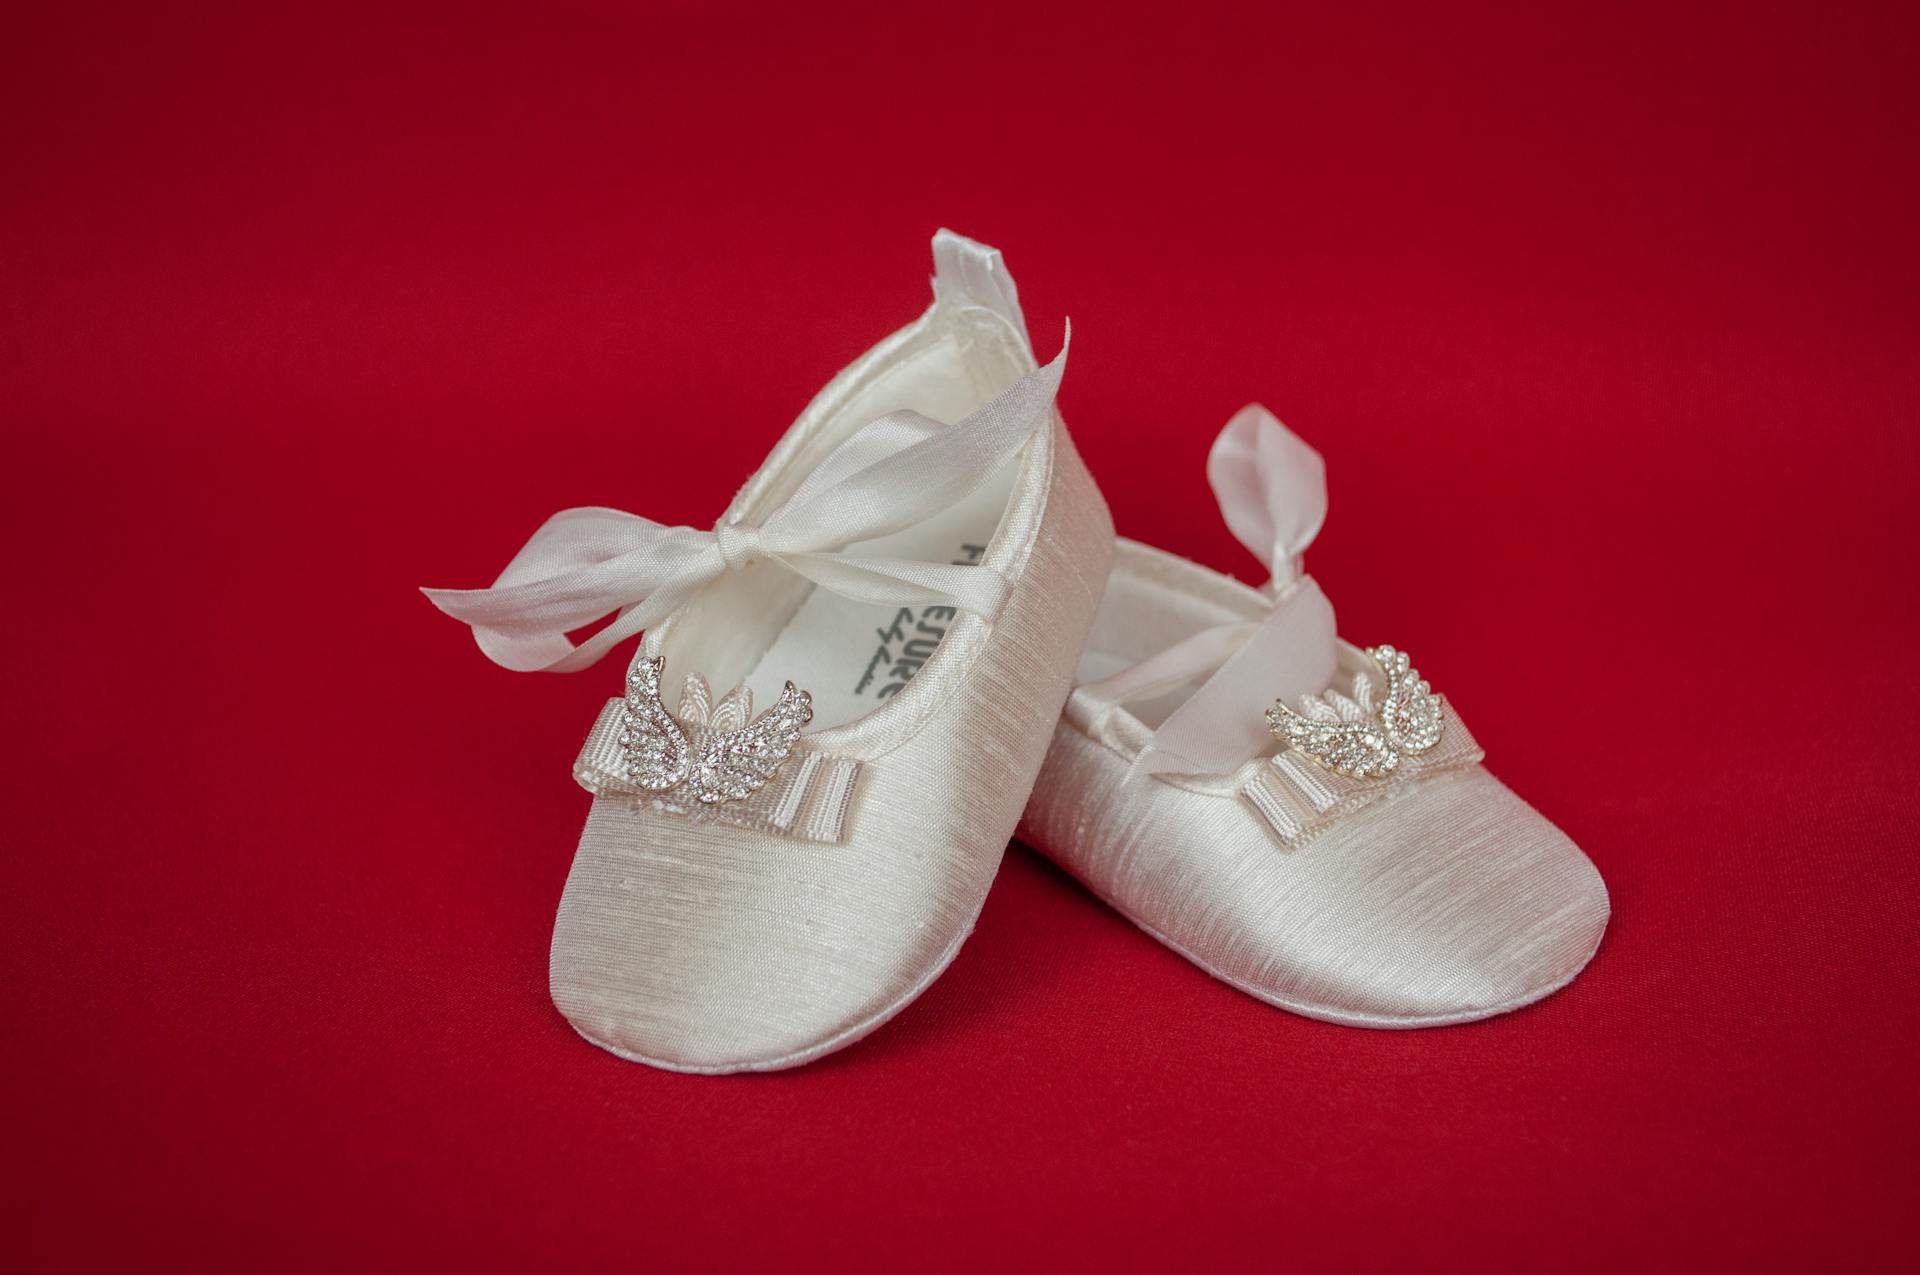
column 1272, row 490
column 586, row 563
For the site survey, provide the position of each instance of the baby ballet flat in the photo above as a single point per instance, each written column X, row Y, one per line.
column 1303, row 819
column 906, row 584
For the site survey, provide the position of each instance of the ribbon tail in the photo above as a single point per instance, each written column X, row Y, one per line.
column 1271, row 486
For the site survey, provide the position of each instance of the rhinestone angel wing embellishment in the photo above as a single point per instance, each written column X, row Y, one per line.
column 710, row 749
column 1353, row 736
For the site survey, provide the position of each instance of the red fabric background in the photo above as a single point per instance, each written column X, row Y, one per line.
column 1605, row 322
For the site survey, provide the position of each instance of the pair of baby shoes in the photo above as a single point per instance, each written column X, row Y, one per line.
column 923, row 585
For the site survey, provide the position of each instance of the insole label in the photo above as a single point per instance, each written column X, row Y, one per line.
column 909, row 641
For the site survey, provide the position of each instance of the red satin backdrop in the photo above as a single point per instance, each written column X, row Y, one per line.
column 1603, row 317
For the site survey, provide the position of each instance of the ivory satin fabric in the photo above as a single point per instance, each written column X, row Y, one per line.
column 714, row 944
column 1450, row 900
column 704, row 948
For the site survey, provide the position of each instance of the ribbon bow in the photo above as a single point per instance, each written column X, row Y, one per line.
column 1272, row 490
column 586, row 563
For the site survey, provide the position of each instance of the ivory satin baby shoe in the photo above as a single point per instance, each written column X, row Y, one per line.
column 905, row 584
column 1304, row 819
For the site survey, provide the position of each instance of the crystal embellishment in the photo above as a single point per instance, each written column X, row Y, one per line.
column 1350, row 736
column 711, row 751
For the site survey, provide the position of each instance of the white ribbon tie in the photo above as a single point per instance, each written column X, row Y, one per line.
column 1272, row 489
column 584, row 564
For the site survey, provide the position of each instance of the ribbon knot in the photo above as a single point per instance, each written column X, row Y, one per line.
column 892, row 473
column 739, row 543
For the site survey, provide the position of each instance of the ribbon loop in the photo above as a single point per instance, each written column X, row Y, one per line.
column 1272, row 489
column 583, row 564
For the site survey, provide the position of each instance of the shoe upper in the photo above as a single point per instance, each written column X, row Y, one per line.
column 907, row 580
column 1344, row 853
